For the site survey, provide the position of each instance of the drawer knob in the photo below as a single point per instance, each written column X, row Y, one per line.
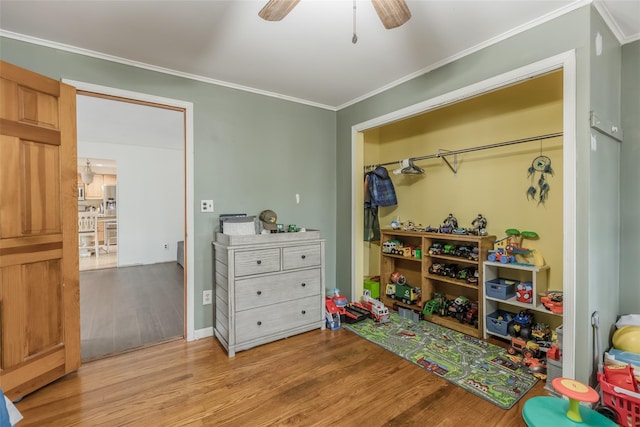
column 303, row 256
column 304, row 312
column 303, row 284
column 259, row 292
column 259, row 323
column 258, row 262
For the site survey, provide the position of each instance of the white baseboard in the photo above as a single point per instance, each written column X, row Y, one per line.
column 203, row 333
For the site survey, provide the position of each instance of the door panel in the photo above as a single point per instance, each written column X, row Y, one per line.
column 35, row 205
column 39, row 278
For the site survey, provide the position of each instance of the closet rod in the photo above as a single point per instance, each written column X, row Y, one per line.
column 467, row 150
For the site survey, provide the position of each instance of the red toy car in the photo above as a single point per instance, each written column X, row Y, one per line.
column 553, row 301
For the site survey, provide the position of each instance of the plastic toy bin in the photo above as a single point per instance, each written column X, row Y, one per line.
column 373, row 286
column 501, row 288
column 498, row 326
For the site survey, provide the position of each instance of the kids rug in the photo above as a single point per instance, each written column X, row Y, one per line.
column 475, row 365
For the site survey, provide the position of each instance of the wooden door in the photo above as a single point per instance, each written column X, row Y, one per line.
column 39, row 278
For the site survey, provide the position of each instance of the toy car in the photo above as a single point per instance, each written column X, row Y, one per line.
column 532, row 357
column 553, row 301
column 541, row 332
column 458, row 307
column 450, row 270
column 521, row 325
column 436, row 268
column 435, row 305
column 406, row 293
column 472, row 277
column 471, row 317
column 449, row 249
column 389, row 246
column 463, row 273
column 435, row 249
column 445, row 229
column 462, row 251
column 499, row 255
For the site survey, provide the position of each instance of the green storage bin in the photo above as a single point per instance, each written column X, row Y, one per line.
column 373, row 287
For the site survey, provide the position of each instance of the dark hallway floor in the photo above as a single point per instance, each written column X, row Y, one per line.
column 129, row 307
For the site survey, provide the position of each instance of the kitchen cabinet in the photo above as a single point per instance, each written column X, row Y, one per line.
column 417, row 271
column 94, row 190
column 109, row 179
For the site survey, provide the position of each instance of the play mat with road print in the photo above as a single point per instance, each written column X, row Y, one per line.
column 475, row 365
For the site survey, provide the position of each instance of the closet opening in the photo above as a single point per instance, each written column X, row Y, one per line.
column 483, row 175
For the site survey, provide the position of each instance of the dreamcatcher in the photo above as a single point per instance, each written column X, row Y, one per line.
column 541, row 164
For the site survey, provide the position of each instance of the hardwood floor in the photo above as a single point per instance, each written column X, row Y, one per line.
column 319, row 378
column 129, row 307
column 105, row 260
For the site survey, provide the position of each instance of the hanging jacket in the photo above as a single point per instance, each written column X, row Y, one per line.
column 381, row 188
column 378, row 191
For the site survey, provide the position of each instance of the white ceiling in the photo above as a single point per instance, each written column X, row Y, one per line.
column 308, row 56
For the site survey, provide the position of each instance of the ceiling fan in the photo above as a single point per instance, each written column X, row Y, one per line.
column 392, row 13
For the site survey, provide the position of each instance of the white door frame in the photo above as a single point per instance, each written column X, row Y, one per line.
column 565, row 61
column 189, row 176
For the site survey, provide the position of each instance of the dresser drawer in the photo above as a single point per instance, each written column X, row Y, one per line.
column 263, row 321
column 257, row 262
column 259, row 291
column 300, row 256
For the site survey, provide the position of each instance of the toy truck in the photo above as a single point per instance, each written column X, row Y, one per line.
column 406, row 293
column 533, row 355
column 379, row 312
column 331, row 314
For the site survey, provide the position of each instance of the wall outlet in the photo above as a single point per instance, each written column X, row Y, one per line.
column 206, row 205
column 207, row 296
column 166, row 245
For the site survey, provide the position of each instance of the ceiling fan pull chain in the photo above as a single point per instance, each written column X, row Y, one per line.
column 354, row 39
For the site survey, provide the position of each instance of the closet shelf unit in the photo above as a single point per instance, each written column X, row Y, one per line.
column 416, row 271
column 537, row 275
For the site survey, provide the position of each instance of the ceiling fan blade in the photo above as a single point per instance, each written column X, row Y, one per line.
column 275, row 10
column 392, row 13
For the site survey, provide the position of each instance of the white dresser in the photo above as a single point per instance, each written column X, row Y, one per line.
column 267, row 287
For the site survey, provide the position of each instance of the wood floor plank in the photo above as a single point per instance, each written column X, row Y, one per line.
column 128, row 307
column 318, row 378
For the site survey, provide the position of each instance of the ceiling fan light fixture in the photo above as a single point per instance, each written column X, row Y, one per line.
column 87, row 174
column 392, row 13
column 276, row 10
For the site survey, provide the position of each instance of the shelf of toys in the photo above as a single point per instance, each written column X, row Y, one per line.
column 443, row 269
column 517, row 281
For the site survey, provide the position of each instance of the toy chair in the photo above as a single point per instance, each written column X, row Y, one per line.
column 542, row 411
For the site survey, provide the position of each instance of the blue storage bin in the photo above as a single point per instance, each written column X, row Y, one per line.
column 497, row 326
column 501, row 288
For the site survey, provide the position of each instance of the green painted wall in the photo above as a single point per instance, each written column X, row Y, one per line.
column 630, row 180
column 252, row 152
column 604, row 185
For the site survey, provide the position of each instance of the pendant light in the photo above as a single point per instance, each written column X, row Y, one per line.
column 87, row 174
